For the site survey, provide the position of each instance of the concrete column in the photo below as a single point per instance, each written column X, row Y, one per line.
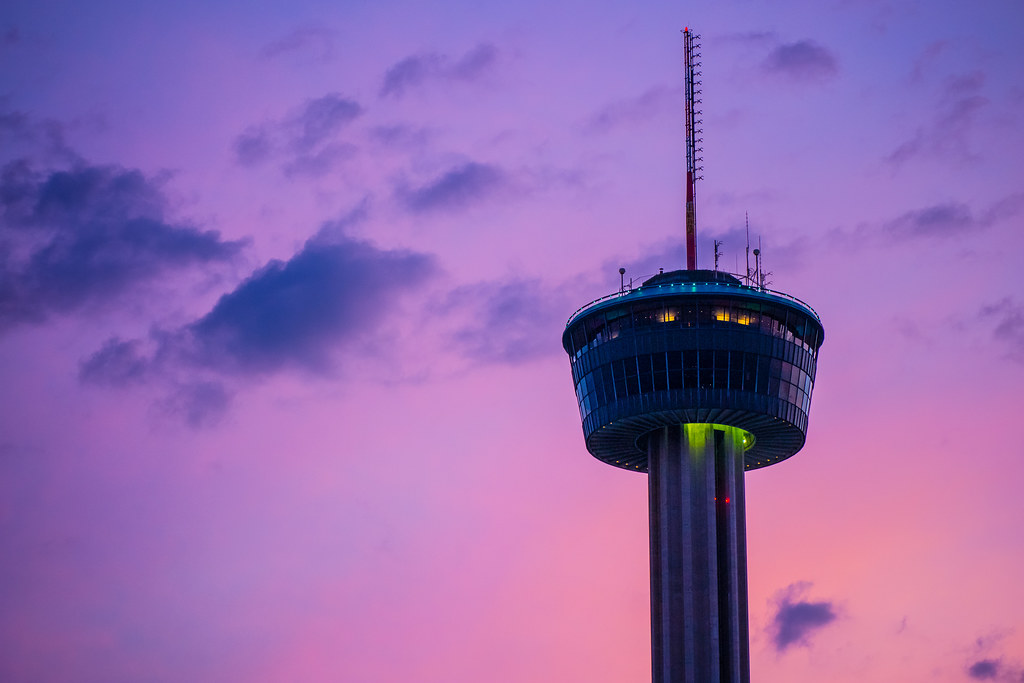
column 699, row 628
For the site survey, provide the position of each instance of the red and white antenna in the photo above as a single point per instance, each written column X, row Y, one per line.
column 691, row 48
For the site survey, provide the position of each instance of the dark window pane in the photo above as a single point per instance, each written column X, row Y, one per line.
column 632, row 386
column 721, row 378
column 749, row 371
column 763, row 365
column 659, row 369
column 644, row 375
column 689, row 315
column 675, row 369
column 706, row 366
column 705, row 314
column 736, row 370
column 619, row 379
column 609, row 386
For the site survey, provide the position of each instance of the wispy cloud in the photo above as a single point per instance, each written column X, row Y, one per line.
column 315, row 41
column 635, row 110
column 1008, row 316
column 797, row 618
column 508, row 322
column 802, row 61
column 947, row 134
column 951, row 219
column 940, row 220
column 454, row 189
column 86, row 235
column 306, row 142
column 418, row 70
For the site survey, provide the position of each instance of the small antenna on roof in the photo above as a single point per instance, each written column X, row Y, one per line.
column 718, row 252
column 622, row 280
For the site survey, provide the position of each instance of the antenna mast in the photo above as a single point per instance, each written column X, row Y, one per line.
column 691, row 49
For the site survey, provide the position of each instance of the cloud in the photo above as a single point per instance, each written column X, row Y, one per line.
column 947, row 134
column 321, row 162
column 22, row 135
column 924, row 63
column 253, row 146
column 796, row 619
column 118, row 363
column 984, row 669
column 321, row 118
column 417, row 70
column 199, row 404
column 294, row 314
column 400, row 135
column 940, row 220
column 1009, row 325
column 306, row 141
column 83, row 236
column 802, row 61
column 455, row 189
column 950, row 219
column 311, row 40
column 508, row 322
column 634, row 110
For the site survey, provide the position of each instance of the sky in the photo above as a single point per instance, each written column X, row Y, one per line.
column 282, row 288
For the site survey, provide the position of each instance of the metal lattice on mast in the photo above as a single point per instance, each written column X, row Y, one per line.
column 691, row 49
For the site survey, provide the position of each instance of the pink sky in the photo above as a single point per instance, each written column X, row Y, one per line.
column 282, row 287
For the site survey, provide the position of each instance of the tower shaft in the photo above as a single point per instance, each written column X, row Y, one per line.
column 699, row 631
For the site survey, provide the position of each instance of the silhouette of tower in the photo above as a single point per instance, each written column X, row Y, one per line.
column 694, row 377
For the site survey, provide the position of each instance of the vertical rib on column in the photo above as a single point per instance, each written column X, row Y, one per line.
column 698, row 559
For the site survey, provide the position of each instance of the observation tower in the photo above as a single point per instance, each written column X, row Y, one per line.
column 694, row 377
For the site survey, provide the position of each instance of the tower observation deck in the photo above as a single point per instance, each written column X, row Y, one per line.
column 694, row 377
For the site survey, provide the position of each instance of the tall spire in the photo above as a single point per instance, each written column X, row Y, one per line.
column 691, row 48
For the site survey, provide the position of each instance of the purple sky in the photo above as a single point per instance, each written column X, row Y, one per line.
column 282, row 287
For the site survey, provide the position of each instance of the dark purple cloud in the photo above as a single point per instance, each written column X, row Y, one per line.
column 417, row 70
column 294, row 314
column 83, row 236
column 984, row 669
column 940, row 220
column 796, row 619
column 951, row 219
column 454, row 189
column 804, row 60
